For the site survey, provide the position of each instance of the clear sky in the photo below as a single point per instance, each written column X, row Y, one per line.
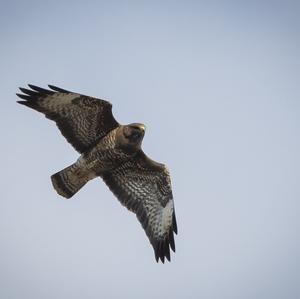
column 218, row 86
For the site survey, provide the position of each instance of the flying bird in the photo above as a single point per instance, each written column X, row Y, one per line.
column 112, row 152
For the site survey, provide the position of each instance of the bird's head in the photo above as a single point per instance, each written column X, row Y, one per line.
column 132, row 136
column 134, row 133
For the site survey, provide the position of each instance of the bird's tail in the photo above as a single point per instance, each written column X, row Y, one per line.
column 71, row 179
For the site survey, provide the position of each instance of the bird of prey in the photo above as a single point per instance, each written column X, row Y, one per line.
column 113, row 152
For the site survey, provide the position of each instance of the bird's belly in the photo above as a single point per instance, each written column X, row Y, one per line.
column 103, row 161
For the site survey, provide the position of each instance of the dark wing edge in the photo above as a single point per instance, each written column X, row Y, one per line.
column 35, row 92
column 37, row 98
column 161, row 244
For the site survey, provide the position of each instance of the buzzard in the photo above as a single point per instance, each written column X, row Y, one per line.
column 113, row 152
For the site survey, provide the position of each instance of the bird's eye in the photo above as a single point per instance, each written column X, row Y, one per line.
column 135, row 135
column 132, row 133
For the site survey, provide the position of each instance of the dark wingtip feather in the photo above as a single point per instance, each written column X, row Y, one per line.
column 30, row 104
column 40, row 90
column 174, row 224
column 167, row 250
column 161, row 251
column 58, row 89
column 21, row 102
column 23, row 96
column 156, row 255
column 28, row 92
column 171, row 240
column 162, row 247
column 155, row 247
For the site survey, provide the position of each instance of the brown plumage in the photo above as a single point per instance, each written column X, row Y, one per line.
column 113, row 152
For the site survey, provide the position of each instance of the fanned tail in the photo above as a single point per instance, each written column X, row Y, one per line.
column 70, row 180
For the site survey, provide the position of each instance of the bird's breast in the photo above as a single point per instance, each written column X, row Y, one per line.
column 100, row 161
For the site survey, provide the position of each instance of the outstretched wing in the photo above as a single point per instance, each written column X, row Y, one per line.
column 144, row 187
column 81, row 119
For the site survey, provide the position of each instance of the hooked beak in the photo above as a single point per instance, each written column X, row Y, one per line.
column 142, row 128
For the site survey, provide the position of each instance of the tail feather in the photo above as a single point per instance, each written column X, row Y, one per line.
column 70, row 180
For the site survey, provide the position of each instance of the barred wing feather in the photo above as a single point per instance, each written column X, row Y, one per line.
column 144, row 187
column 81, row 119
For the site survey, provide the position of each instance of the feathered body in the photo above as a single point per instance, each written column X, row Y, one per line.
column 113, row 152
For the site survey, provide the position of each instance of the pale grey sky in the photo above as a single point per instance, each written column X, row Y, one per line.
column 217, row 85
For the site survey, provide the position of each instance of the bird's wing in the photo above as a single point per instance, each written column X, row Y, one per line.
column 144, row 187
column 81, row 119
